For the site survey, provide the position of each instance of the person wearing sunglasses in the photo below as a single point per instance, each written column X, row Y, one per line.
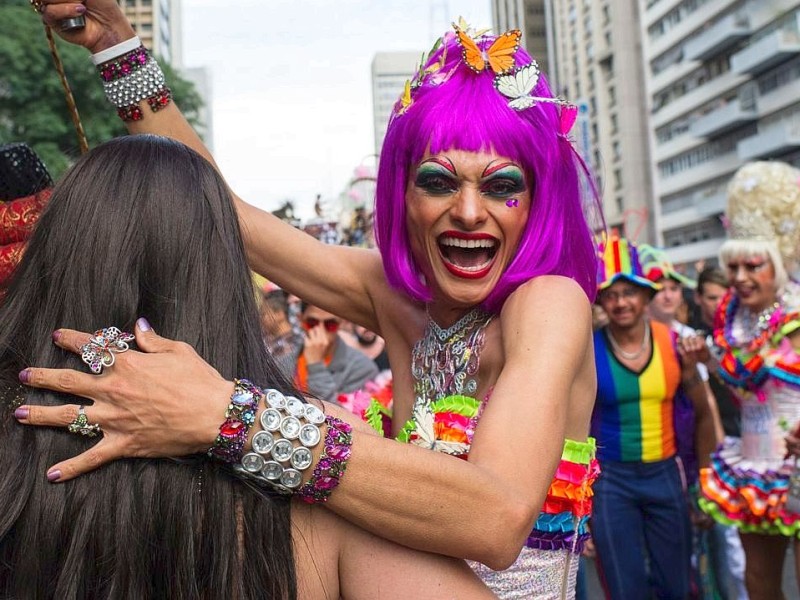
column 326, row 366
column 482, row 288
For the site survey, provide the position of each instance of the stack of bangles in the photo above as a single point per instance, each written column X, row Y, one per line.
column 282, row 448
column 129, row 76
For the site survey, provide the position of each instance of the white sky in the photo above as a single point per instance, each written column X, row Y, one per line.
column 292, row 98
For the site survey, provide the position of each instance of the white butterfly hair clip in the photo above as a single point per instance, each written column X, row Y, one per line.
column 518, row 85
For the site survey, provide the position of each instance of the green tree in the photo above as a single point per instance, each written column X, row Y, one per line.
column 32, row 104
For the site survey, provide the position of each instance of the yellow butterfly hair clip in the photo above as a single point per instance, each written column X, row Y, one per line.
column 405, row 98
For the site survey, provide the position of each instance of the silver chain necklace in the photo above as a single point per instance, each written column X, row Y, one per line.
column 445, row 362
column 630, row 355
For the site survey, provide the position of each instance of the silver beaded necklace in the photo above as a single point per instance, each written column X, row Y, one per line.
column 753, row 324
column 446, row 361
column 630, row 355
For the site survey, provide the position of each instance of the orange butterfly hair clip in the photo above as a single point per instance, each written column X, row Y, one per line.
column 499, row 56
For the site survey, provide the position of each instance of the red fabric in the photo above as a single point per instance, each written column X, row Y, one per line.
column 17, row 219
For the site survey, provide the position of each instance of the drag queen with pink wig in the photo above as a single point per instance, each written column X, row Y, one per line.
column 482, row 290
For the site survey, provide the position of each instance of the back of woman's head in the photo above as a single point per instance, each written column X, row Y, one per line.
column 453, row 105
column 140, row 226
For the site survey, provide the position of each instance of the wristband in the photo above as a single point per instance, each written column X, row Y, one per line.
column 116, row 51
column 281, row 450
column 332, row 464
column 130, row 76
column 239, row 417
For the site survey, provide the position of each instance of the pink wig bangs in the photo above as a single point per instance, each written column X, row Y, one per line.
column 466, row 112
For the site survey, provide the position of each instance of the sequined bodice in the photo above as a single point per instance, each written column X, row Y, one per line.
column 765, row 422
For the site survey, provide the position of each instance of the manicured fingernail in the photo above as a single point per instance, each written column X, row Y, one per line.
column 25, row 376
column 22, row 412
column 56, row 335
column 143, row 324
column 54, row 475
column 80, row 9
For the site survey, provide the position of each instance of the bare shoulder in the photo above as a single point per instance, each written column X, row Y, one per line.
column 546, row 299
column 546, row 288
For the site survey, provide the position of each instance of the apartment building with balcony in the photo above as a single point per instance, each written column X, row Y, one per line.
column 530, row 17
column 596, row 46
column 158, row 25
column 723, row 85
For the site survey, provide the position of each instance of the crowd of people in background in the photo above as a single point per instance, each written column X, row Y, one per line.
column 681, row 552
column 660, row 415
column 688, row 485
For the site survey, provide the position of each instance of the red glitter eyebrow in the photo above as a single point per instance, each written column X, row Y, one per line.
column 442, row 162
column 494, row 168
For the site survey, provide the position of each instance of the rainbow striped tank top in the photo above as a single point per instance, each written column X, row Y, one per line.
column 633, row 412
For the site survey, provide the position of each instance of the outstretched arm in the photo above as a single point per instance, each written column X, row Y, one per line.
column 339, row 279
column 405, row 493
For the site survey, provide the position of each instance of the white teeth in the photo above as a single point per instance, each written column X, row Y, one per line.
column 459, row 243
column 476, row 267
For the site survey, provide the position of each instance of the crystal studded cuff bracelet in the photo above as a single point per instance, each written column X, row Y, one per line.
column 132, row 77
column 332, row 464
column 239, row 417
column 281, row 450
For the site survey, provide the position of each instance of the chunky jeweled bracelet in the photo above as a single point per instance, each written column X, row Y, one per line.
column 132, row 77
column 281, row 450
column 124, row 65
column 239, row 417
column 332, row 464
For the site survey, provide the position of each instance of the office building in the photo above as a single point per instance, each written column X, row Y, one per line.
column 390, row 70
column 200, row 77
column 723, row 80
column 158, row 24
column 598, row 66
column 530, row 17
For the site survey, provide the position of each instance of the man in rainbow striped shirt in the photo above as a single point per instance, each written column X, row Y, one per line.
column 640, row 522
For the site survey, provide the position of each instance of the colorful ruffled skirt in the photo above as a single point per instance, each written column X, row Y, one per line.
column 547, row 566
column 749, row 494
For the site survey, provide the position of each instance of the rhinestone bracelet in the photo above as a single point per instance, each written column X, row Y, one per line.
column 124, row 65
column 239, row 417
column 332, row 464
column 132, row 77
column 137, row 85
column 281, row 450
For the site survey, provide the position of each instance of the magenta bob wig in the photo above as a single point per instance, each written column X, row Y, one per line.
column 466, row 112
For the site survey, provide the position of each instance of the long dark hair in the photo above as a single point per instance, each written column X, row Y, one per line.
column 140, row 226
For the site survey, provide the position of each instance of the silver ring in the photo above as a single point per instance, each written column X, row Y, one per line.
column 81, row 425
column 73, row 23
column 103, row 345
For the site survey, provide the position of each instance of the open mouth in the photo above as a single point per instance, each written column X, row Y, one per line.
column 745, row 292
column 468, row 255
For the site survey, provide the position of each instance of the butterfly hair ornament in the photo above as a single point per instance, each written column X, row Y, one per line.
column 480, row 53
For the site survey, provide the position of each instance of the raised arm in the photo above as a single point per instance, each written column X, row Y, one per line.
column 339, row 279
